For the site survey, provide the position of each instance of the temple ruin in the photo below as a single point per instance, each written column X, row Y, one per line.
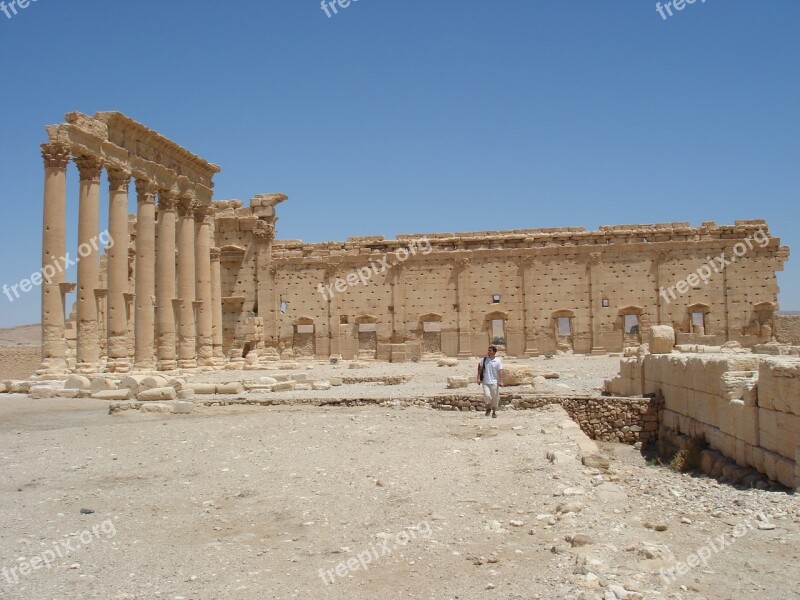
column 191, row 283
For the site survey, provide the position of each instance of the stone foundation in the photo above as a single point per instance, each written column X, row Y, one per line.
column 745, row 406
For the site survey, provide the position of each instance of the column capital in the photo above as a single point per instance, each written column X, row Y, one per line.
column 203, row 213
column 55, row 156
column 167, row 200
column 186, row 205
column 595, row 258
column 145, row 191
column 89, row 168
column 118, row 179
column 216, row 254
column 462, row 262
column 265, row 232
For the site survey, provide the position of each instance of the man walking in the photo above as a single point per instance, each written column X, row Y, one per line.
column 490, row 374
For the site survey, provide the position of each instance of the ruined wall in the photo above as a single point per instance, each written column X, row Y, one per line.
column 745, row 406
column 552, row 290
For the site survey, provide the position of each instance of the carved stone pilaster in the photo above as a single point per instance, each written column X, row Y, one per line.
column 89, row 168
column 55, row 156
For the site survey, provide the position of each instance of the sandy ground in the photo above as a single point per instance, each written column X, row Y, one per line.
column 245, row 502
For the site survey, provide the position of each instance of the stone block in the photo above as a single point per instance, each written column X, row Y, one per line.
column 357, row 365
column 187, row 394
column 203, row 389
column 119, row 395
column 152, row 382
column 233, row 387
column 157, row 394
column 458, row 382
column 266, row 381
column 3, row 387
column 102, row 384
column 182, row 408
column 40, row 392
column 283, row 386
column 77, row 382
column 779, row 432
column 302, row 386
column 131, row 382
column 62, row 393
column 19, row 387
column 336, row 381
column 156, row 407
column 779, row 384
column 299, row 377
column 662, row 339
column 745, row 422
column 514, row 375
column 447, row 362
column 321, row 385
column 289, row 366
column 178, row 384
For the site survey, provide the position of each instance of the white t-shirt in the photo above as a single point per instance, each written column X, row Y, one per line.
column 491, row 369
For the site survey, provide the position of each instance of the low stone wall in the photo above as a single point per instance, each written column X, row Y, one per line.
column 746, row 406
column 626, row 420
column 787, row 329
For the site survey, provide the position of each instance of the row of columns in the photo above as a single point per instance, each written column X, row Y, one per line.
column 190, row 288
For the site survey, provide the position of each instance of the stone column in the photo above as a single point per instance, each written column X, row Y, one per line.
column 216, row 308
column 165, row 282
column 527, row 273
column 54, row 248
column 462, row 298
column 88, row 330
column 205, row 346
column 595, row 303
column 117, row 266
column 144, row 310
column 267, row 302
column 334, row 313
column 187, row 336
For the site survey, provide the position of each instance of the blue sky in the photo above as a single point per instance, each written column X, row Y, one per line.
column 424, row 115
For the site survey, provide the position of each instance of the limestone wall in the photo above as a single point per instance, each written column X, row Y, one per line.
column 588, row 279
column 746, row 406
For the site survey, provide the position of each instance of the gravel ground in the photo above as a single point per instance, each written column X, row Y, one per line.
column 246, row 502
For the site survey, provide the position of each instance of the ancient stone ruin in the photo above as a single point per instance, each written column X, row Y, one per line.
column 192, row 283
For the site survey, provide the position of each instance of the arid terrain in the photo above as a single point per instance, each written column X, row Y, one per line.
column 20, row 351
column 300, row 501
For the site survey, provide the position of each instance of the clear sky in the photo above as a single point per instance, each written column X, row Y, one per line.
column 423, row 115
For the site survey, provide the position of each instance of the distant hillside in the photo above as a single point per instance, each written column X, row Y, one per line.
column 24, row 335
column 789, row 313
